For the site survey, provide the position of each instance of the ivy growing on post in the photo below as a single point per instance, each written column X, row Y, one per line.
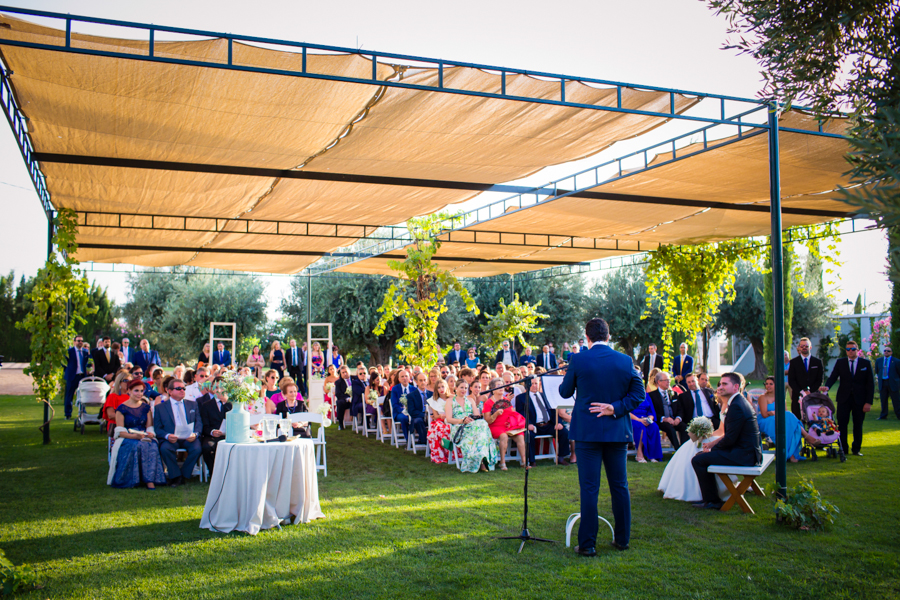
column 420, row 295
column 689, row 283
column 57, row 283
column 513, row 320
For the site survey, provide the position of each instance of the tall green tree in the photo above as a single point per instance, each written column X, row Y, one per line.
column 100, row 323
column 893, row 265
column 15, row 303
column 744, row 316
column 511, row 322
column 621, row 299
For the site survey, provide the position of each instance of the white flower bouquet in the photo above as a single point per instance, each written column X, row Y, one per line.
column 700, row 428
column 324, row 410
column 372, row 399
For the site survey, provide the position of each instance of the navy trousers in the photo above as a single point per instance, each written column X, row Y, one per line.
column 418, row 425
column 611, row 456
column 404, row 424
column 71, row 386
column 168, row 452
column 886, row 393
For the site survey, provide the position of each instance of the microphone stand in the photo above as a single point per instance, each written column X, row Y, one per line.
column 525, row 536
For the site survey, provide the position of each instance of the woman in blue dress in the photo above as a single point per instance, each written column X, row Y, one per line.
column 276, row 359
column 336, row 357
column 793, row 428
column 646, row 432
column 471, row 359
column 135, row 456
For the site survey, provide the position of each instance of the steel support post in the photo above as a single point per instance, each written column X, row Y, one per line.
column 777, row 301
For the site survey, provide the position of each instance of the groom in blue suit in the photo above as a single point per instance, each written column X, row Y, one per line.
column 608, row 389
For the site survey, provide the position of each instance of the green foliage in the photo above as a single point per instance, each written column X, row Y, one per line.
column 14, row 305
column 768, row 294
column 420, row 296
column 745, row 315
column 245, row 347
column 621, row 299
column 690, row 283
column 14, row 580
column 804, row 508
column 101, row 322
column 174, row 311
column 51, row 331
column 893, row 236
column 826, row 343
column 350, row 305
column 835, row 55
column 858, row 307
column 513, row 320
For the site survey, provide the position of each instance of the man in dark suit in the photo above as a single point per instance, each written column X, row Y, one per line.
column 106, row 362
column 805, row 372
column 668, row 413
column 293, row 360
column 887, row 375
column 146, row 357
column 683, row 364
column 455, row 356
column 581, row 346
column 527, row 358
column 738, row 446
column 697, row 402
column 416, row 407
column 507, row 356
column 178, row 426
column 401, row 390
column 608, row 389
column 546, row 359
column 542, row 420
column 651, row 361
column 221, row 356
column 212, row 412
column 76, row 370
column 346, row 388
column 854, row 395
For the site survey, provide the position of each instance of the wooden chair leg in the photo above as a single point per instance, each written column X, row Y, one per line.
column 756, row 489
column 737, row 493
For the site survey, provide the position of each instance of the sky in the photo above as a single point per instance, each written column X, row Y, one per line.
column 668, row 43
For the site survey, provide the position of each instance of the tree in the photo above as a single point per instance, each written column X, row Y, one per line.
column 835, row 54
column 420, row 296
column 621, row 299
column 101, row 322
column 744, row 317
column 858, row 307
column 349, row 304
column 512, row 320
column 56, row 284
column 15, row 303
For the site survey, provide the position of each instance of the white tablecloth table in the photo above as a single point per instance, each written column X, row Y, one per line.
column 254, row 486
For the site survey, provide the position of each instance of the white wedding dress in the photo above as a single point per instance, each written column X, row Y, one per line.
column 679, row 481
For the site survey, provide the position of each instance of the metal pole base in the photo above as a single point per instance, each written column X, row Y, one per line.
column 526, row 536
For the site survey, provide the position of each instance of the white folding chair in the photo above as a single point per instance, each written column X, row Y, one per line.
column 381, row 422
column 412, row 444
column 318, row 441
column 358, row 421
column 366, row 428
column 550, row 445
column 397, row 436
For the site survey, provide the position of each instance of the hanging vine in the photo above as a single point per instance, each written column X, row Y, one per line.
column 689, row 283
column 420, row 295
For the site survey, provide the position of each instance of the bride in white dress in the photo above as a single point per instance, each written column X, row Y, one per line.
column 679, row 481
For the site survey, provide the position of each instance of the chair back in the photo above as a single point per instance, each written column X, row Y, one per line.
column 255, row 419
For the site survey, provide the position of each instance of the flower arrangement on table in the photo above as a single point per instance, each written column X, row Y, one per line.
column 700, row 428
column 372, row 398
column 241, row 390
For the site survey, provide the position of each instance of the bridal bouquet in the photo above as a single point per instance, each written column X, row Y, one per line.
column 700, row 428
column 373, row 398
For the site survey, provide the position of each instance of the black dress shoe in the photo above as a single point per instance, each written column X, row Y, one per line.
column 698, row 504
column 618, row 546
column 586, row 551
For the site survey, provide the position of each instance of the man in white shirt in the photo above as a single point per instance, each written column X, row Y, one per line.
column 127, row 352
column 193, row 391
column 695, row 402
column 651, row 361
column 178, row 426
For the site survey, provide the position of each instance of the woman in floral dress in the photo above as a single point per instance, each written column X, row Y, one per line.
column 439, row 430
column 477, row 444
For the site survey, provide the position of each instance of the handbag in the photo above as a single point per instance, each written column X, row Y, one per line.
column 447, row 443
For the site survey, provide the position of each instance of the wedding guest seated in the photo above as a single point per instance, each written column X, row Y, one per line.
column 270, row 384
column 358, row 385
column 528, row 357
column 416, row 403
column 646, row 432
column 439, row 429
column 292, row 404
column 739, row 445
column 793, row 427
column 212, row 413
column 505, row 422
column 118, row 394
column 135, row 457
column 669, row 416
column 470, row 433
column 179, row 428
column 400, row 400
column 346, row 391
column 192, row 392
column 543, row 420
column 697, row 401
column 471, row 359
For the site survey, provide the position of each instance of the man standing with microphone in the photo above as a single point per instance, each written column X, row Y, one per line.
column 608, row 389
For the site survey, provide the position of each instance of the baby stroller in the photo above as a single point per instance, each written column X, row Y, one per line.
column 831, row 443
column 89, row 399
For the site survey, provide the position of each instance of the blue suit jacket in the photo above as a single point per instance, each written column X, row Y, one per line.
column 164, row 422
column 72, row 364
column 226, row 358
column 452, row 358
column 539, row 360
column 138, row 360
column 526, row 359
column 686, row 369
column 415, row 403
column 396, row 407
column 602, row 375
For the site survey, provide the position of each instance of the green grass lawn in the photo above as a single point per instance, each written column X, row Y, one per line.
column 399, row 527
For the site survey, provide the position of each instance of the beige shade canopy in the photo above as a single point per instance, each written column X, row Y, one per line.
column 368, row 155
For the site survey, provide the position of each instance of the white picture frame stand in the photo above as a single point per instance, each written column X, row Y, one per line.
column 213, row 340
column 316, row 386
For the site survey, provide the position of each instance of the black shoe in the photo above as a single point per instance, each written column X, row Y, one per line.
column 586, row 552
column 857, row 453
column 175, row 482
column 618, row 546
column 698, row 504
column 714, row 505
column 882, row 418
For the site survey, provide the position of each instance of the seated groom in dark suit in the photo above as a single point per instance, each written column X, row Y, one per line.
column 415, row 406
column 542, row 420
column 178, row 425
column 401, row 390
column 739, row 445
column 213, row 406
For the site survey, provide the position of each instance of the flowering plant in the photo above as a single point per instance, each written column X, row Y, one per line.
column 700, row 428
column 328, row 387
column 243, row 390
column 881, row 337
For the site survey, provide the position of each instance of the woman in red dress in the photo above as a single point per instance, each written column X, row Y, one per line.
column 439, row 429
column 505, row 422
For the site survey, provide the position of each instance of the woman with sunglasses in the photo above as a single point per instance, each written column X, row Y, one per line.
column 135, row 455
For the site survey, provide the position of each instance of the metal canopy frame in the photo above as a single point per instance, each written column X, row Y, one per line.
column 18, row 122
